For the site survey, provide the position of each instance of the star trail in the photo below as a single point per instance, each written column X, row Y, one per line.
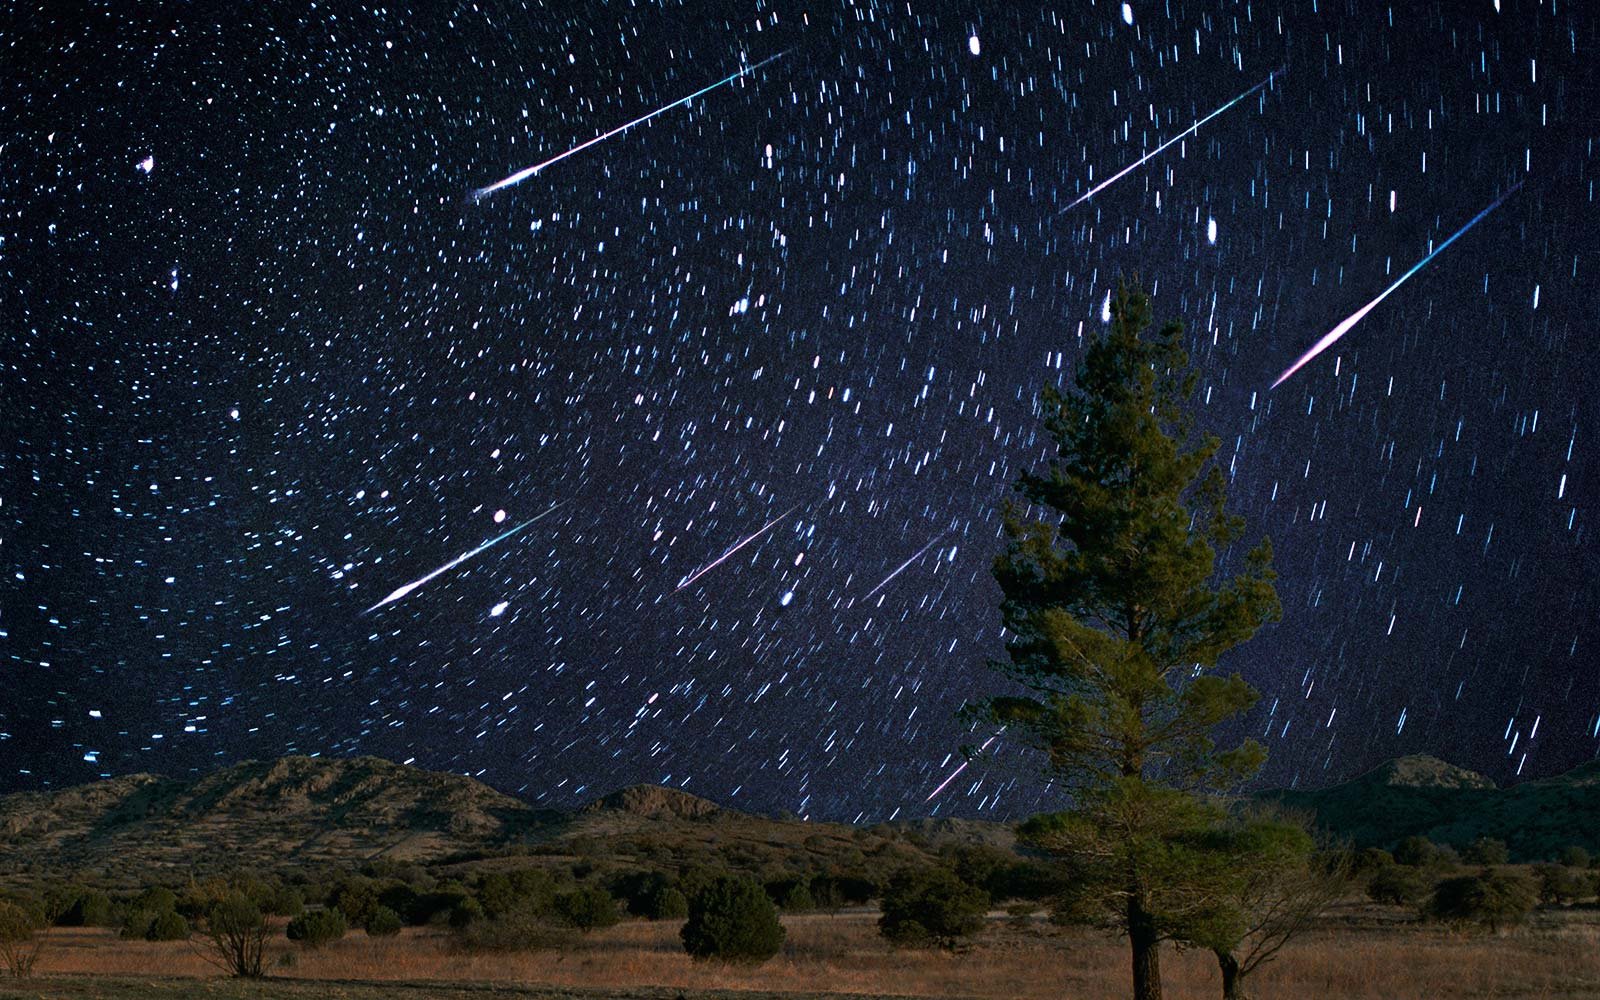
column 763, row 363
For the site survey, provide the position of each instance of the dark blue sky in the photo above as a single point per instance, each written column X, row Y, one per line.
column 265, row 360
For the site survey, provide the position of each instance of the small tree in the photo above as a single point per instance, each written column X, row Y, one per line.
column 168, row 926
column 1559, row 885
column 1486, row 851
column 1491, row 899
column 315, row 928
column 1114, row 616
column 931, row 907
column 1397, row 885
column 587, row 909
column 664, row 902
column 384, row 922
column 20, row 942
column 1270, row 886
column 1574, row 856
column 1416, row 851
column 91, row 908
column 237, row 933
column 732, row 919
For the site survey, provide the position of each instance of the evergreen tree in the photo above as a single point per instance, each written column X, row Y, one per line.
column 1115, row 617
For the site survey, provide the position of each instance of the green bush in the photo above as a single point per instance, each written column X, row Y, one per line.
column 282, row 901
column 793, row 895
column 732, row 919
column 665, row 903
column 90, row 909
column 834, row 890
column 384, row 922
column 1559, row 884
column 156, row 900
column 168, row 925
column 529, row 890
column 1416, row 852
column 315, row 928
column 465, row 913
column 136, row 924
column 1369, row 861
column 1492, row 899
column 1397, row 885
column 356, row 898
column 19, row 941
column 1574, row 857
column 586, row 909
column 931, row 907
column 1486, row 851
column 238, row 933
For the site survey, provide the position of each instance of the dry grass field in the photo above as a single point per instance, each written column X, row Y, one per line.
column 1359, row 956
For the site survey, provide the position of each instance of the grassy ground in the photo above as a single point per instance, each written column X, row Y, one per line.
column 1362, row 953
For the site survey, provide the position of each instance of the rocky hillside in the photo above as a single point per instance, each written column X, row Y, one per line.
column 1451, row 805
column 259, row 813
column 309, row 812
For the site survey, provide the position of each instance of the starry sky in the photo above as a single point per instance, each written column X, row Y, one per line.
column 764, row 366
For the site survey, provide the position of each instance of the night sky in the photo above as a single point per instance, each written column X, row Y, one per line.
column 266, row 359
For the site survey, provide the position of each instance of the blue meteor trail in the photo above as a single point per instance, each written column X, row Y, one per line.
column 452, row 564
column 1119, row 174
column 1328, row 338
column 524, row 174
column 899, row 569
column 957, row 772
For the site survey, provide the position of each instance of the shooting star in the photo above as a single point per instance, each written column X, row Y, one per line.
column 898, row 569
column 1343, row 328
column 457, row 561
column 956, row 773
column 1154, row 152
column 702, row 571
column 527, row 172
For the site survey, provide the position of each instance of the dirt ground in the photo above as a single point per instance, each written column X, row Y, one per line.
column 1362, row 954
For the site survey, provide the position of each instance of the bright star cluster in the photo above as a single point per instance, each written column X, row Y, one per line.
column 679, row 457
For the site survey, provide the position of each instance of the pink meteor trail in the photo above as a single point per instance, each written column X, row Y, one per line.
column 954, row 774
column 702, row 571
column 1154, row 152
column 527, row 172
column 1343, row 328
column 902, row 566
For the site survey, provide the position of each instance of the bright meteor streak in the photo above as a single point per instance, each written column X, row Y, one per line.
column 702, row 571
column 525, row 173
column 1154, row 152
column 956, row 773
column 902, row 566
column 1328, row 338
column 452, row 564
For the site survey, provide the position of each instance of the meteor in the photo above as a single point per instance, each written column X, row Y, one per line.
column 524, row 174
column 954, row 774
column 1119, row 174
column 1356, row 317
column 702, row 571
column 452, row 564
column 902, row 566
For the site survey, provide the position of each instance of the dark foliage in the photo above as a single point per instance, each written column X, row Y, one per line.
column 315, row 928
column 732, row 919
column 931, row 907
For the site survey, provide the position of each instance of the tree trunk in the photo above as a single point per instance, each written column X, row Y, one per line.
column 1145, row 945
column 1232, row 981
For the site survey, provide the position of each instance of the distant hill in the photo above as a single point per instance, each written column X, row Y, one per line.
column 305, row 812
column 308, row 812
column 1451, row 805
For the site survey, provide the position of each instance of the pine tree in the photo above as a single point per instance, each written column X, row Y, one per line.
column 1115, row 618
